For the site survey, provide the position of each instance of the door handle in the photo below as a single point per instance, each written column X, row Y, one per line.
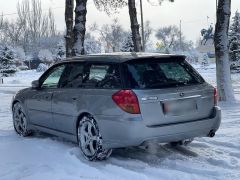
column 74, row 98
column 47, row 97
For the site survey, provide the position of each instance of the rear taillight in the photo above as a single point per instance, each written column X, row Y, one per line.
column 127, row 101
column 215, row 96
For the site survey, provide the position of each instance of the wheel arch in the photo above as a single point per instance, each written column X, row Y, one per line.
column 14, row 102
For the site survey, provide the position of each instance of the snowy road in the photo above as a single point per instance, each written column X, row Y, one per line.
column 43, row 157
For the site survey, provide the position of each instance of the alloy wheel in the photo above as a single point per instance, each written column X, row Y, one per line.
column 19, row 120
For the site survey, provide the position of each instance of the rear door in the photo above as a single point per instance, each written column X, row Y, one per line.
column 66, row 98
column 169, row 91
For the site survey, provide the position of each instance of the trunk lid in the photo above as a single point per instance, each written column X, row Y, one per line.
column 175, row 105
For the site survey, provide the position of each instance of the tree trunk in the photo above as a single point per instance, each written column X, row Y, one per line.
column 69, row 5
column 224, row 84
column 134, row 26
column 79, row 28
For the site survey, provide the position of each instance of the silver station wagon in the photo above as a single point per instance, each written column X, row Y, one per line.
column 112, row 101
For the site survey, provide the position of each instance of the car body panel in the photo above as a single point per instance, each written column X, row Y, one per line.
column 39, row 104
column 68, row 104
column 136, row 132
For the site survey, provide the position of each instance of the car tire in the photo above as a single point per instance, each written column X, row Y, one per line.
column 20, row 121
column 90, row 140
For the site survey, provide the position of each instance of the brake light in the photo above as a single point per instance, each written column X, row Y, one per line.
column 215, row 96
column 127, row 101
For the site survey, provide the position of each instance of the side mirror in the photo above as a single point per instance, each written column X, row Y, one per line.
column 35, row 84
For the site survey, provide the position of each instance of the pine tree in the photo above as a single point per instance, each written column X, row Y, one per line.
column 234, row 38
column 7, row 66
column 128, row 45
column 91, row 45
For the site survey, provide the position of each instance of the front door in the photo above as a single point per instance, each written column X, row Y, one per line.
column 40, row 100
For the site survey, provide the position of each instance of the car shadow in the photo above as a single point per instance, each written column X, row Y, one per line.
column 151, row 154
column 154, row 153
column 138, row 158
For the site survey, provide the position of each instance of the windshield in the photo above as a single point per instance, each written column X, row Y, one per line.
column 150, row 74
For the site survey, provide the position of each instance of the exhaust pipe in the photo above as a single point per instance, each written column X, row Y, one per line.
column 211, row 133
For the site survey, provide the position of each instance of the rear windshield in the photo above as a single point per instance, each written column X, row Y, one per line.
column 154, row 74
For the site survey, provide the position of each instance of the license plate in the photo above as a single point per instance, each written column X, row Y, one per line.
column 179, row 107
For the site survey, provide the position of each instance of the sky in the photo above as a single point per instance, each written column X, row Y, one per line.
column 194, row 14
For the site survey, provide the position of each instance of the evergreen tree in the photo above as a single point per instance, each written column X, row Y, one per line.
column 7, row 58
column 128, row 45
column 91, row 45
column 234, row 38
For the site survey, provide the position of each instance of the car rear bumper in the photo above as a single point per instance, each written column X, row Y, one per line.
column 123, row 133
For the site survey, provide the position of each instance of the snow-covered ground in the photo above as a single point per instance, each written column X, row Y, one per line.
column 51, row 158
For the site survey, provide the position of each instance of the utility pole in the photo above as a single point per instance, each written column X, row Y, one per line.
column 143, row 36
column 180, row 34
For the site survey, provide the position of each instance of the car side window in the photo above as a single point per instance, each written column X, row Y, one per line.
column 52, row 79
column 73, row 76
column 105, row 76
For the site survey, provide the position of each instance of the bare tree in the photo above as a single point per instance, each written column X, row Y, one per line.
column 35, row 20
column 134, row 26
column 170, row 39
column 111, row 34
column 37, row 29
column 168, row 35
column 22, row 10
column 1, row 22
column 147, row 31
column 224, row 83
column 79, row 29
column 52, row 26
column 13, row 31
column 69, row 6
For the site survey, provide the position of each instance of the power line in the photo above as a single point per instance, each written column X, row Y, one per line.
column 193, row 21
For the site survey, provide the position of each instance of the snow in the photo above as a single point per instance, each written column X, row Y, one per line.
column 45, row 55
column 47, row 157
column 42, row 67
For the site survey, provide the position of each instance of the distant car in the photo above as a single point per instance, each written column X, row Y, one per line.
column 111, row 101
